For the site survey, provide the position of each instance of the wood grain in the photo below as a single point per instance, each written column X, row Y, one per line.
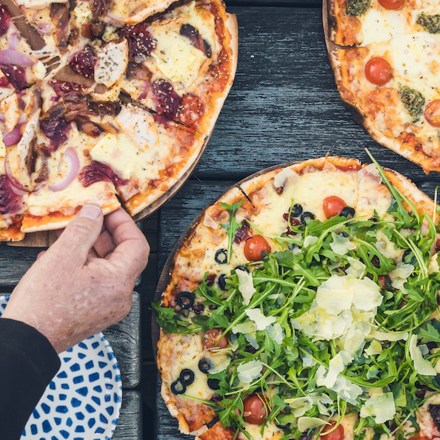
column 130, row 420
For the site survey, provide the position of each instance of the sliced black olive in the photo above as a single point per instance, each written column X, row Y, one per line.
column 187, row 377
column 221, row 256
column 212, row 422
column 297, row 210
column 431, row 345
column 205, row 365
column 307, row 216
column 216, row 398
column 348, row 212
column 243, row 268
column 178, row 387
column 344, row 234
column 214, row 384
column 185, row 300
column 375, row 260
column 222, row 281
column 408, row 256
column 434, row 410
column 198, row 308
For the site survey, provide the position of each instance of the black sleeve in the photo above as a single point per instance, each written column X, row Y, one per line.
column 28, row 363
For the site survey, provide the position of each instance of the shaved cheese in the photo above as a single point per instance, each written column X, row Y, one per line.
column 421, row 365
column 328, row 377
column 433, row 266
column 356, row 269
column 283, row 177
column 389, row 336
column 400, row 274
column 341, row 245
column 310, row 240
column 386, row 247
column 112, row 63
column 306, row 423
column 260, row 320
column 244, row 327
column 245, row 285
column 374, row 348
column 275, row 332
column 249, row 371
column 220, row 366
column 379, row 406
column 347, row 390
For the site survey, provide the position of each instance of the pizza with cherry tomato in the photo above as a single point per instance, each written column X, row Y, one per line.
column 303, row 304
column 387, row 68
column 114, row 106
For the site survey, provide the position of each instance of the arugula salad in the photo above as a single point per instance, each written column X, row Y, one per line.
column 342, row 320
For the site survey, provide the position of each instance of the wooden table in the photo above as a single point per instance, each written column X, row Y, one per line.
column 284, row 106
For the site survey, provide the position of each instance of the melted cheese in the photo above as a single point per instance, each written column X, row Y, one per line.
column 38, row 4
column 82, row 14
column 271, row 432
column 9, row 109
column 378, row 26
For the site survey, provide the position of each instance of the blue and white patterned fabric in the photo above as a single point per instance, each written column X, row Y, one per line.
column 84, row 399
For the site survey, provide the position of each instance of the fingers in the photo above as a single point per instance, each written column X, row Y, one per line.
column 79, row 236
column 132, row 248
column 105, row 244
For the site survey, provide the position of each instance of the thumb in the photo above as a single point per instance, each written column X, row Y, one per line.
column 80, row 235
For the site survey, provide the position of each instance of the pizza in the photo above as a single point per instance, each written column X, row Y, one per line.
column 105, row 102
column 304, row 304
column 386, row 59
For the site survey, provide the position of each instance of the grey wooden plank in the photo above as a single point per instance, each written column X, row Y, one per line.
column 130, row 420
column 125, row 339
column 272, row 3
column 284, row 104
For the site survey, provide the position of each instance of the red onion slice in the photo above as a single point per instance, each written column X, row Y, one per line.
column 71, row 157
column 16, row 186
column 13, row 137
column 10, row 56
column 13, row 41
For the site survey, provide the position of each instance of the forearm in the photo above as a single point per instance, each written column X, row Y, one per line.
column 28, row 362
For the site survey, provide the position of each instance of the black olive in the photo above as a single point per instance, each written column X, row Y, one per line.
column 250, row 349
column 307, row 216
column 187, row 377
column 205, row 365
column 431, row 345
column 212, row 422
column 375, row 260
column 434, row 410
column 178, row 387
column 348, row 212
column 243, row 268
column 344, row 234
column 297, row 210
column 198, row 308
column 185, row 300
column 213, row 307
column 221, row 256
column 407, row 256
column 420, row 394
column 222, row 281
column 214, row 384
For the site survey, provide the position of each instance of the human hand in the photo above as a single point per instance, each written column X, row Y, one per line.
column 83, row 283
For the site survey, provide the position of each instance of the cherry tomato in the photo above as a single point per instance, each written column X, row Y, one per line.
column 332, row 206
column 256, row 248
column 378, row 71
column 254, row 411
column 384, row 281
column 392, row 4
column 336, row 434
column 213, row 339
column 432, row 113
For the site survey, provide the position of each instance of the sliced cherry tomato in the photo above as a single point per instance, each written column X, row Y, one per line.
column 378, row 71
column 392, row 4
column 213, row 339
column 256, row 248
column 432, row 113
column 332, row 206
column 329, row 433
column 254, row 410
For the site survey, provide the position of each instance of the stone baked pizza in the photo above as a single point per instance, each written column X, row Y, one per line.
column 303, row 304
column 386, row 58
column 113, row 102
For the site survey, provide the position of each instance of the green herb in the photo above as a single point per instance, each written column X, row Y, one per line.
column 430, row 22
column 413, row 101
column 357, row 7
column 233, row 224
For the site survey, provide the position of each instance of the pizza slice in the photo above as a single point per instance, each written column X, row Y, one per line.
column 395, row 88
column 363, row 22
column 182, row 64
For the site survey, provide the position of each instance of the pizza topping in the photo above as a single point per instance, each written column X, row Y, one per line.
column 11, row 199
column 5, row 20
column 421, row 365
column 357, row 7
column 222, row 281
column 178, row 387
column 16, row 75
column 60, row 14
column 62, row 88
column 348, row 212
column 98, row 172
column 84, row 61
column 214, row 384
column 112, row 60
column 378, row 71
column 55, row 126
column 333, row 205
column 15, row 58
column 100, row 8
column 392, row 4
column 306, row 217
column 254, row 410
column 185, row 300
column 187, row 377
column 168, row 101
column 243, row 232
column 380, row 406
column 140, row 42
column 189, row 31
column 12, row 137
column 431, row 23
column 432, row 113
column 221, row 256
column 413, row 101
column 73, row 165
column 333, row 431
column 434, row 410
column 256, row 248
column 213, row 340
column 205, row 365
